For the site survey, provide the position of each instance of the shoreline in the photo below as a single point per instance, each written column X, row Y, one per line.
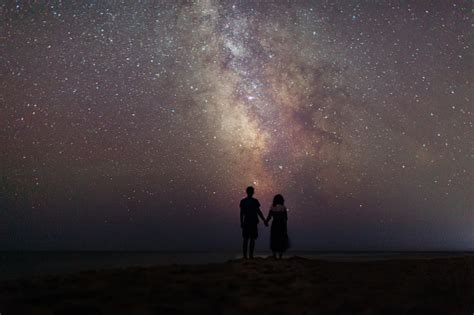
column 24, row 265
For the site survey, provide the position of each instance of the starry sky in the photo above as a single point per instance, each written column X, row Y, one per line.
column 139, row 124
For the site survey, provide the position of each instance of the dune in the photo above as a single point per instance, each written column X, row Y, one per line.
column 260, row 286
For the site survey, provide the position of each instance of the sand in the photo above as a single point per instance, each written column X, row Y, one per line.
column 261, row 286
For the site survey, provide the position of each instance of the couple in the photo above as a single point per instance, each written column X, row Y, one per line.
column 249, row 213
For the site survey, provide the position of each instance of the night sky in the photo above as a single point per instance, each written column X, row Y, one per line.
column 139, row 124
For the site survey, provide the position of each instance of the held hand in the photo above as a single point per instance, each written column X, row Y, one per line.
column 265, row 222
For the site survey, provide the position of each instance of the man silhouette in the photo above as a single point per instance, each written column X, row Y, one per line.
column 249, row 213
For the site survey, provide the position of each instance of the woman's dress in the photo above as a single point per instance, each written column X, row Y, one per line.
column 279, row 233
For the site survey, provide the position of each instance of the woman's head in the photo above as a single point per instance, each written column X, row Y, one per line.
column 278, row 200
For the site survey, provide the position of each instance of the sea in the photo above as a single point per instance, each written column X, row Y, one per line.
column 28, row 264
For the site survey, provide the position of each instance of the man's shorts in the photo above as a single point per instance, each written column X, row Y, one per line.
column 250, row 231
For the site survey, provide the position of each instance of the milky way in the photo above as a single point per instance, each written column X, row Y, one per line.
column 139, row 125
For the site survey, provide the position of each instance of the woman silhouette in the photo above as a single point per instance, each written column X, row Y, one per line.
column 279, row 234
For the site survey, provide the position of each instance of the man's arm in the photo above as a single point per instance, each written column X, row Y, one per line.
column 241, row 217
column 260, row 214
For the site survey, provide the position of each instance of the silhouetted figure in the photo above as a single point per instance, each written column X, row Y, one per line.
column 249, row 213
column 279, row 234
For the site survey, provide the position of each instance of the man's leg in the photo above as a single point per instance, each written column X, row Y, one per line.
column 244, row 246
column 252, row 246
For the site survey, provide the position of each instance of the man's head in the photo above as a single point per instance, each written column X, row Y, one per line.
column 250, row 191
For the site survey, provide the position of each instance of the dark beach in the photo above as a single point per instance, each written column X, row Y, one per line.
column 290, row 286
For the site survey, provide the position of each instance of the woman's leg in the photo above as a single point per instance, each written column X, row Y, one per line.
column 280, row 254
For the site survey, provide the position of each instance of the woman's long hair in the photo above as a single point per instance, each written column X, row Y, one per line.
column 278, row 200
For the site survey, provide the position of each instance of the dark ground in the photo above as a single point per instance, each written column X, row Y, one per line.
column 260, row 286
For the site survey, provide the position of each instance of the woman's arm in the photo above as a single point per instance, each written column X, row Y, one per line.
column 270, row 215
